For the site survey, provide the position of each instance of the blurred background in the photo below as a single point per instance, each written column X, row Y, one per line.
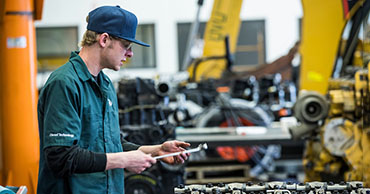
column 278, row 90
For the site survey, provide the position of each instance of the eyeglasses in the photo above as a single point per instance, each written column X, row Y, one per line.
column 129, row 46
column 124, row 43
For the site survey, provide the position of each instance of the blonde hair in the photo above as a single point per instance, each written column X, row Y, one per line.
column 89, row 38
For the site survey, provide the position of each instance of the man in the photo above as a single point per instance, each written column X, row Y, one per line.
column 81, row 150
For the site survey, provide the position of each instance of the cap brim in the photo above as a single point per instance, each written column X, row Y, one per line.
column 137, row 42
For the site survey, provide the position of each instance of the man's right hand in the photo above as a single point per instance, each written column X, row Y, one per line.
column 134, row 161
column 138, row 161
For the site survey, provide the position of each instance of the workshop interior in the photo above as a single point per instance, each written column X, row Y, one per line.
column 272, row 95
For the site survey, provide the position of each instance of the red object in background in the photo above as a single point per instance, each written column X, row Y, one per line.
column 239, row 153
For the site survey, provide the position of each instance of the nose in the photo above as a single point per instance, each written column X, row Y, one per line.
column 129, row 53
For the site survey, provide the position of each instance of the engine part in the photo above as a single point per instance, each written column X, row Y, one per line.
column 336, row 138
column 162, row 88
column 242, row 108
column 239, row 112
column 160, row 178
column 148, row 134
column 310, row 108
column 144, row 121
column 275, row 188
column 144, row 183
column 142, row 118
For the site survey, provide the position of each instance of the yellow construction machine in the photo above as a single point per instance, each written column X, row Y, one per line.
column 223, row 23
column 333, row 105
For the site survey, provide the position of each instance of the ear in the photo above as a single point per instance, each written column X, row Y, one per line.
column 103, row 40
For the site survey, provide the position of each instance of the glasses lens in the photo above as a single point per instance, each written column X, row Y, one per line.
column 129, row 46
column 126, row 44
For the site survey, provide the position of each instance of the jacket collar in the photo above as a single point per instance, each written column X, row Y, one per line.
column 80, row 66
column 82, row 70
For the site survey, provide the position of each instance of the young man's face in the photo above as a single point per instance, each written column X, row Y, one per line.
column 116, row 53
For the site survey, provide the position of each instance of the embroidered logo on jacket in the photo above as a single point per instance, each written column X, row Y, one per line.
column 60, row 135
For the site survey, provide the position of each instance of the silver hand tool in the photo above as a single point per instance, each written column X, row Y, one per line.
column 200, row 147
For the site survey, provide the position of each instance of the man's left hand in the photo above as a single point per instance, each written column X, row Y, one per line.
column 171, row 147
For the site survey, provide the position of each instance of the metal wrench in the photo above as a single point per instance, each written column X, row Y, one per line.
column 200, row 147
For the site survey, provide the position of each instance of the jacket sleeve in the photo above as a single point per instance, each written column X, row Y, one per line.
column 128, row 146
column 67, row 160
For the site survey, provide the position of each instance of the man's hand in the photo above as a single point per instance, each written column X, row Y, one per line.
column 134, row 161
column 171, row 147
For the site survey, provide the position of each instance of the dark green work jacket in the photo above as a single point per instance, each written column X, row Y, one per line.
column 73, row 109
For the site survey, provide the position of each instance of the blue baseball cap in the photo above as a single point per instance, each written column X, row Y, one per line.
column 115, row 21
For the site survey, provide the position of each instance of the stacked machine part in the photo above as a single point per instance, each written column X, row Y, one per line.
column 143, row 121
column 142, row 118
column 275, row 188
